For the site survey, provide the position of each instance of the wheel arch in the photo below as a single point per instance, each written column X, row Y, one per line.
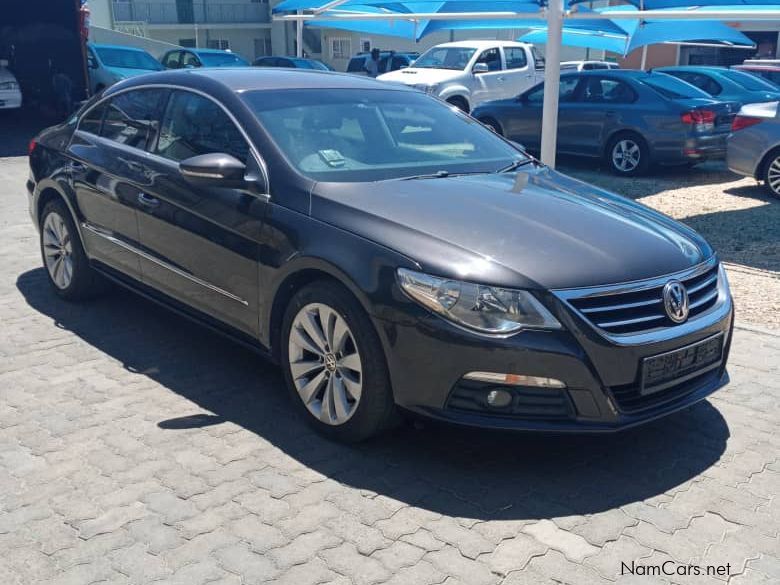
column 761, row 167
column 297, row 275
column 625, row 132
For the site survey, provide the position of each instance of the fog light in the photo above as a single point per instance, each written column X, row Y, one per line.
column 499, row 398
column 514, row 380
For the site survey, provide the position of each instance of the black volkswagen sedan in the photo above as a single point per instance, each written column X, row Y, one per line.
column 393, row 255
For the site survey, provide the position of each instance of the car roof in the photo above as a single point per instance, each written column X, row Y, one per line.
column 482, row 44
column 241, row 79
column 211, row 51
column 630, row 73
column 708, row 68
column 123, row 47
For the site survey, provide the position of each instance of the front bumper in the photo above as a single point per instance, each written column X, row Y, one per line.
column 10, row 99
column 428, row 357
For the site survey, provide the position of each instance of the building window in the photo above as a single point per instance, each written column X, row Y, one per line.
column 340, row 48
column 365, row 45
column 222, row 44
column 187, row 42
column 263, row 47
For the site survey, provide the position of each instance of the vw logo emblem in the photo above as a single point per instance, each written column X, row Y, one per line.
column 330, row 362
column 676, row 301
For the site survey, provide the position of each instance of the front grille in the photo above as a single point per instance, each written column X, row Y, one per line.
column 527, row 403
column 629, row 398
column 636, row 310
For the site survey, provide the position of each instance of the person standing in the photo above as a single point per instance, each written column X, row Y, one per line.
column 372, row 66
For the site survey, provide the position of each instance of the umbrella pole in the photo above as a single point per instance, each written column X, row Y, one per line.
column 552, row 79
column 299, row 37
column 644, row 58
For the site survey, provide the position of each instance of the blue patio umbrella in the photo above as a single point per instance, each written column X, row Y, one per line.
column 623, row 36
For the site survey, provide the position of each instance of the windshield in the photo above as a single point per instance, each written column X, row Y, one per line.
column 221, row 59
column 127, row 59
column 349, row 135
column 671, row 87
column 748, row 81
column 456, row 58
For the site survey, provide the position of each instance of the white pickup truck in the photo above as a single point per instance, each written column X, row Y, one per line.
column 468, row 73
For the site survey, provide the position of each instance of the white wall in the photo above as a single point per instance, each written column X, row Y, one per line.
column 242, row 40
column 113, row 37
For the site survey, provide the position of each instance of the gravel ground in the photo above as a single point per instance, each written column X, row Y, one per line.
column 733, row 213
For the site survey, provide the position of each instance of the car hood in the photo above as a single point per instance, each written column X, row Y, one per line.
column 535, row 229
column 419, row 76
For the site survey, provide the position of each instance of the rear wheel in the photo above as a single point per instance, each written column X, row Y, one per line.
column 772, row 174
column 627, row 155
column 459, row 102
column 334, row 365
column 66, row 263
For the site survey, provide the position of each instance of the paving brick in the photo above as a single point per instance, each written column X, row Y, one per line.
column 573, row 546
column 362, row 570
column 513, row 554
column 252, row 567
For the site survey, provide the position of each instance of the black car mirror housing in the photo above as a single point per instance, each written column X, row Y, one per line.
column 216, row 169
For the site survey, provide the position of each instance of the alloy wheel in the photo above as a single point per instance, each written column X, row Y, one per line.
column 58, row 250
column 325, row 364
column 626, row 155
column 773, row 176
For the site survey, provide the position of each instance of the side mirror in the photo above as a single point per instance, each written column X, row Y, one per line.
column 480, row 68
column 215, row 170
column 221, row 170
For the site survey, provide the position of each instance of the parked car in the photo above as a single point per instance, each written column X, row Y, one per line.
column 192, row 58
column 629, row 118
column 587, row 65
column 387, row 250
column 468, row 73
column 769, row 72
column 291, row 63
column 388, row 61
column 753, row 149
column 10, row 92
column 727, row 84
column 108, row 64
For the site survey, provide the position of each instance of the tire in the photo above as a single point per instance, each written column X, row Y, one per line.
column 341, row 388
column 459, row 102
column 64, row 260
column 493, row 125
column 771, row 174
column 627, row 155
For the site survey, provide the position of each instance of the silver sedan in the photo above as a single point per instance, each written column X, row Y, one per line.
column 753, row 148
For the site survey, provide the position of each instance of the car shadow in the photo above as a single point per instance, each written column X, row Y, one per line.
column 452, row 471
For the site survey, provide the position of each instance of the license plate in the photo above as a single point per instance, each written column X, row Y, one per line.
column 658, row 370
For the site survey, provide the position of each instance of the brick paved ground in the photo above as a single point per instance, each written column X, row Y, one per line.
column 136, row 448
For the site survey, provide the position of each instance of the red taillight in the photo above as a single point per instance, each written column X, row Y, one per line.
column 742, row 122
column 699, row 117
column 31, row 146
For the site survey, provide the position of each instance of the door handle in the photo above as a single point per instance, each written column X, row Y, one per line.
column 148, row 200
column 77, row 166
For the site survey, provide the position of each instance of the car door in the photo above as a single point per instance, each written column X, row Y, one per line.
column 520, row 74
column 108, row 172
column 202, row 243
column 491, row 84
column 599, row 107
column 524, row 124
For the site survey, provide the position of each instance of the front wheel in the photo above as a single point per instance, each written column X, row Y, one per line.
column 334, row 365
column 627, row 155
column 772, row 175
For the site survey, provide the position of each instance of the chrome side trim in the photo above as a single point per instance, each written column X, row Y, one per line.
column 122, row 244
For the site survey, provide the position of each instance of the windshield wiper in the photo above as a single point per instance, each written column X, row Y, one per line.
column 515, row 165
column 436, row 175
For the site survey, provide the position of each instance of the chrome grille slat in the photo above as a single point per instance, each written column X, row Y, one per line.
column 636, row 308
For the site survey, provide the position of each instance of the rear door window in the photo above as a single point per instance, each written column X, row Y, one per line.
column 601, row 90
column 515, row 58
column 92, row 120
column 190, row 60
column 194, row 125
column 172, row 60
column 133, row 117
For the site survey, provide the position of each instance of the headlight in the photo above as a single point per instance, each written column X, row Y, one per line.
column 426, row 88
column 486, row 309
column 9, row 85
